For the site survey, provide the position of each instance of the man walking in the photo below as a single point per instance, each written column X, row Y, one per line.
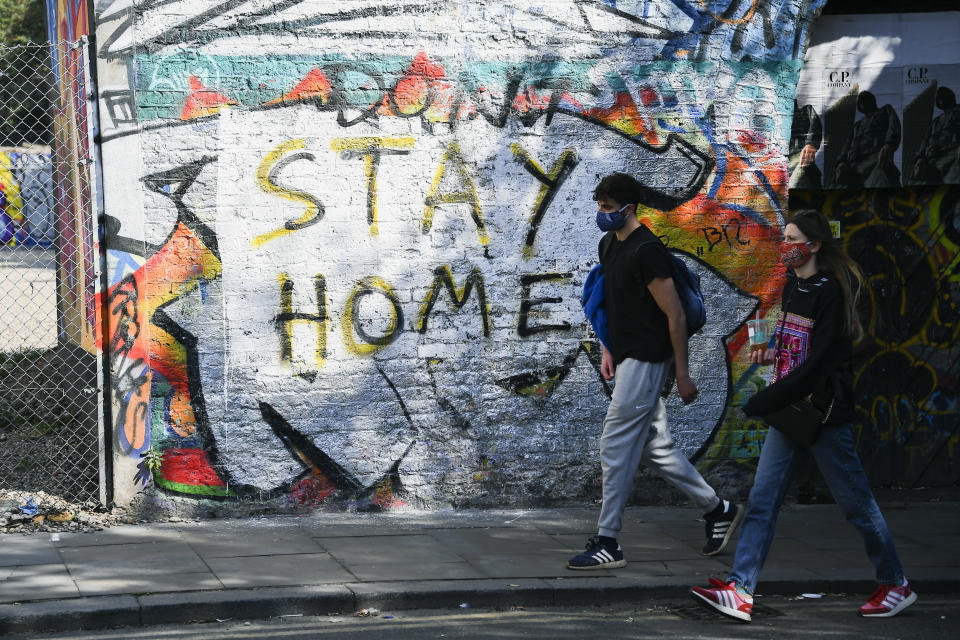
column 648, row 336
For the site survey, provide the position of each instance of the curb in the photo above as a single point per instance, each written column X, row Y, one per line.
column 100, row 612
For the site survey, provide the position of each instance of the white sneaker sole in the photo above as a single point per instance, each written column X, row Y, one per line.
column 906, row 602
column 734, row 525
column 617, row 564
column 727, row 611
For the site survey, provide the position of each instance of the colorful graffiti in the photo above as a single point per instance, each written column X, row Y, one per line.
column 908, row 243
column 360, row 281
column 67, row 23
column 26, row 199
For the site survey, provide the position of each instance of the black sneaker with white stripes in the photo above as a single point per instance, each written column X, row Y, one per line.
column 722, row 522
column 599, row 555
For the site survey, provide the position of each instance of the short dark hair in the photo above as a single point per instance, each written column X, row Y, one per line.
column 622, row 188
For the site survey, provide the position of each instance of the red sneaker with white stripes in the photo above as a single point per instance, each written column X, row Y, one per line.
column 725, row 598
column 887, row 601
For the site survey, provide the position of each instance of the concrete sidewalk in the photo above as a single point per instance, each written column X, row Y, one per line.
column 343, row 562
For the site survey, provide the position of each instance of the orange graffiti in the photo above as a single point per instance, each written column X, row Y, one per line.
column 203, row 101
column 314, row 85
column 171, row 272
column 747, row 18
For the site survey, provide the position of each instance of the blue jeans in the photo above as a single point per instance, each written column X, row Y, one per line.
column 837, row 459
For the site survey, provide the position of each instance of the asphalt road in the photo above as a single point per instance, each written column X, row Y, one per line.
column 832, row 616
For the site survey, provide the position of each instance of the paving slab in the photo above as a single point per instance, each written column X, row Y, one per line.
column 789, row 553
column 23, row 550
column 151, row 558
column 577, row 521
column 127, row 534
column 653, row 543
column 911, row 556
column 637, row 569
column 227, row 543
column 531, row 565
column 155, row 583
column 482, row 542
column 794, row 580
column 409, row 548
column 278, row 570
column 942, row 579
column 38, row 582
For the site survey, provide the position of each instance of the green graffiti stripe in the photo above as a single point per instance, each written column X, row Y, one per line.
column 191, row 489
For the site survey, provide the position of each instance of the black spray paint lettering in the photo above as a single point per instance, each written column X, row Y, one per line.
column 729, row 231
column 371, row 149
column 527, row 304
column 351, row 320
column 443, row 279
column 465, row 194
column 551, row 182
column 360, row 342
column 127, row 383
column 287, row 318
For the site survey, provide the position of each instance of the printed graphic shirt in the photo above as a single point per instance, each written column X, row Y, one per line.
column 812, row 350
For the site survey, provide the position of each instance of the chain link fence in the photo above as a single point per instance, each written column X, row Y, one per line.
column 50, row 433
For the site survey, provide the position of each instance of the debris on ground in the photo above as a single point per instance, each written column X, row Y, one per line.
column 367, row 613
column 30, row 508
column 37, row 511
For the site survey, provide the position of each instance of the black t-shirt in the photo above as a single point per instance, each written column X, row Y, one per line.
column 638, row 328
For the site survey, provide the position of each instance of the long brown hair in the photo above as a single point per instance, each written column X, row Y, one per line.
column 832, row 259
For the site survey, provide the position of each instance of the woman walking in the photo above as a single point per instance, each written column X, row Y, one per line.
column 812, row 355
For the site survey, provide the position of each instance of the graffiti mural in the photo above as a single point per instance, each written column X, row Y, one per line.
column 26, row 199
column 367, row 225
column 908, row 244
column 67, row 24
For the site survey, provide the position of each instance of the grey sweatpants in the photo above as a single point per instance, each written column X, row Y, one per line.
column 635, row 431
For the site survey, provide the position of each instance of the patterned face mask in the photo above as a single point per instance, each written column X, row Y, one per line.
column 795, row 254
column 613, row 220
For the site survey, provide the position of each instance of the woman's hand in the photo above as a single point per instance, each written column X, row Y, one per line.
column 762, row 356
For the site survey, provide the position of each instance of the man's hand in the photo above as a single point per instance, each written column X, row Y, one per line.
column 807, row 155
column 607, row 367
column 687, row 389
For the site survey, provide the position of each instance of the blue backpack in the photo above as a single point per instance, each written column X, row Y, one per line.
column 687, row 284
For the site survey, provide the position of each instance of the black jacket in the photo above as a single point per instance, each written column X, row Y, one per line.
column 813, row 354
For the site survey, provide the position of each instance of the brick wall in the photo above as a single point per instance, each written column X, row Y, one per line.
column 347, row 240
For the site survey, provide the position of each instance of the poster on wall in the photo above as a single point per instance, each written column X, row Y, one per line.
column 805, row 157
column 863, row 128
column 931, row 124
column 876, row 104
